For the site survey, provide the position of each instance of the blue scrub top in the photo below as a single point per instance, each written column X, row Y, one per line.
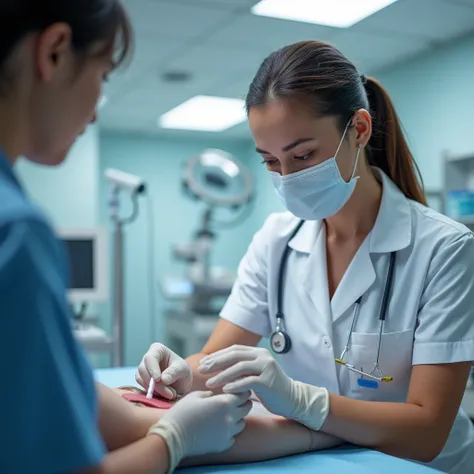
column 48, row 406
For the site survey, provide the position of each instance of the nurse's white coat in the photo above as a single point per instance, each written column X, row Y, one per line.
column 430, row 316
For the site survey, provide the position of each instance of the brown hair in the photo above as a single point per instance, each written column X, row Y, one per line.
column 91, row 22
column 319, row 71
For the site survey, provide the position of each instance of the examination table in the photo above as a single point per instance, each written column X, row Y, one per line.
column 341, row 460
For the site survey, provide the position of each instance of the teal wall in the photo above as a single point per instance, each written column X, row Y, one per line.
column 69, row 193
column 175, row 218
column 434, row 96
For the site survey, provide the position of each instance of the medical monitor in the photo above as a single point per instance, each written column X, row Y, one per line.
column 87, row 252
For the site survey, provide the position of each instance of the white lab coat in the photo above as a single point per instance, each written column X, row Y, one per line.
column 430, row 317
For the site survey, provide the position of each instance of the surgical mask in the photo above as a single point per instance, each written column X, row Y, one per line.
column 317, row 192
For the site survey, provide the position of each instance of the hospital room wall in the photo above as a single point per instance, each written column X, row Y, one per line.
column 69, row 193
column 173, row 217
column 434, row 96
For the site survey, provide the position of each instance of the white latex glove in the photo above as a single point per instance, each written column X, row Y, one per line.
column 202, row 423
column 171, row 372
column 243, row 368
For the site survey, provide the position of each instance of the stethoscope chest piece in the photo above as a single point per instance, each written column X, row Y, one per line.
column 280, row 342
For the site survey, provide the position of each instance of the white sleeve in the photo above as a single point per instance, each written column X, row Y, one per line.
column 247, row 305
column 445, row 328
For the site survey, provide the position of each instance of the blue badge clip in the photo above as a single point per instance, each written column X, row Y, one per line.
column 368, row 383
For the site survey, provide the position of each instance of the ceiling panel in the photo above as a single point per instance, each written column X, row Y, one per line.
column 150, row 55
column 232, row 5
column 217, row 64
column 370, row 51
column 174, row 20
column 221, row 44
column 431, row 19
column 267, row 34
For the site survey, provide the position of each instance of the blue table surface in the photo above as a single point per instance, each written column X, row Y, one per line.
column 350, row 460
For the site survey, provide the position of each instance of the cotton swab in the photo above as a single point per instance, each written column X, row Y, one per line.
column 151, row 389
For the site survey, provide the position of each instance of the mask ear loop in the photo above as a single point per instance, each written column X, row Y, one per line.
column 359, row 147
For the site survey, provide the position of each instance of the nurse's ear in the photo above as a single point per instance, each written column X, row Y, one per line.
column 54, row 52
column 362, row 127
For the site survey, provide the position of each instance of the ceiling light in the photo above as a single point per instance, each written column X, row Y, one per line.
column 205, row 113
column 337, row 13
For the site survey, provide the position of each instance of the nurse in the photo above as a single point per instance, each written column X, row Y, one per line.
column 54, row 57
column 373, row 321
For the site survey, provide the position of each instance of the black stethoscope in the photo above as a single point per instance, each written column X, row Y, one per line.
column 280, row 340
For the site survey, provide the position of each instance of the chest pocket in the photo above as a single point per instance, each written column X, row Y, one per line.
column 395, row 361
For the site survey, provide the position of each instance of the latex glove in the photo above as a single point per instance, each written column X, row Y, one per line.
column 243, row 368
column 202, row 423
column 171, row 372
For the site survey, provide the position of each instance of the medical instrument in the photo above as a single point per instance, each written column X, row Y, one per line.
column 376, row 375
column 225, row 186
column 280, row 340
column 134, row 186
column 151, row 388
column 126, row 181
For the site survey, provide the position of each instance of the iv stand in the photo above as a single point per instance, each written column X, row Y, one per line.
column 118, row 320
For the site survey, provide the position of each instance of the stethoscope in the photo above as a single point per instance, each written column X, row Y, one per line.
column 280, row 340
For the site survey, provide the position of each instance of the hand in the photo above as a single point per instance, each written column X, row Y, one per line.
column 244, row 368
column 202, row 423
column 171, row 373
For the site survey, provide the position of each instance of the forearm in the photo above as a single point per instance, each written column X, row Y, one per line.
column 146, row 456
column 398, row 429
column 120, row 422
column 199, row 380
column 267, row 437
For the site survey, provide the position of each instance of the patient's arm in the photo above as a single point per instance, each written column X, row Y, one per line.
column 265, row 437
column 120, row 422
column 268, row 437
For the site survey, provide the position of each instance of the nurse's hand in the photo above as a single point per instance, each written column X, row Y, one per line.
column 243, row 368
column 202, row 423
column 171, row 372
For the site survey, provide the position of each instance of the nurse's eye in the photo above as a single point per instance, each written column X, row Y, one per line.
column 304, row 157
column 268, row 162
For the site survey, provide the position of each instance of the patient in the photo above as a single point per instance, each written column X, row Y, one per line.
column 128, row 417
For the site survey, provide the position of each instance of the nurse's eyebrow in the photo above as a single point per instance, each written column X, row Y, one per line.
column 287, row 147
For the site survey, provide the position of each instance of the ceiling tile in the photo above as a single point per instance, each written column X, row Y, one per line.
column 267, row 34
column 217, row 64
column 431, row 19
column 370, row 52
column 232, row 5
column 174, row 20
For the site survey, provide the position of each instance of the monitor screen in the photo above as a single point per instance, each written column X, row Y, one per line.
column 81, row 262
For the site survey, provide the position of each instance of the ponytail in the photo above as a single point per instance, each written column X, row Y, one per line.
column 388, row 148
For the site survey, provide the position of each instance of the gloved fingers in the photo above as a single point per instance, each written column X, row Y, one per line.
column 238, row 428
column 243, row 385
column 143, row 377
column 152, row 365
column 225, row 360
column 166, row 392
column 235, row 347
column 235, row 372
column 243, row 411
column 201, row 394
column 176, row 371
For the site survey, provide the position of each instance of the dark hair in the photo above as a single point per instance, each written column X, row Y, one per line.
column 91, row 22
column 318, row 74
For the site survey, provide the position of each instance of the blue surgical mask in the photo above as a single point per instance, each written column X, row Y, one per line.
column 317, row 192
